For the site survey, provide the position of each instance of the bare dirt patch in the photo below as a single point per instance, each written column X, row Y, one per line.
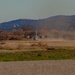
column 52, row 67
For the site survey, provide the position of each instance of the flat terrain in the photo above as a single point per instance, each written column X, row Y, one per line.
column 41, row 44
column 47, row 62
column 45, row 49
column 49, row 42
column 50, row 67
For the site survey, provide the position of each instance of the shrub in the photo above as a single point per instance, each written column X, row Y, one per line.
column 34, row 45
column 2, row 43
column 41, row 44
column 50, row 48
column 39, row 54
column 1, row 47
column 20, row 46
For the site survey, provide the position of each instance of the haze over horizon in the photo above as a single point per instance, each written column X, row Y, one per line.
column 34, row 9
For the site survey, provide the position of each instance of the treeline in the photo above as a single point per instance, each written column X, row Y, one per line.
column 67, row 35
column 18, row 34
column 14, row 35
column 42, row 33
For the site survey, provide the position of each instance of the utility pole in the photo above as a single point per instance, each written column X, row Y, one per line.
column 36, row 37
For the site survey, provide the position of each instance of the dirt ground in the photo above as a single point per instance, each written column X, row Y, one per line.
column 46, row 67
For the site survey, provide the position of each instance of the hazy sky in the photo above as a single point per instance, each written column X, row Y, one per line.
column 34, row 9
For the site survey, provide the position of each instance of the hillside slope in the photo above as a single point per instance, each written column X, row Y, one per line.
column 59, row 22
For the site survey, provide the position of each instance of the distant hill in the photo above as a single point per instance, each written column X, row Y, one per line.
column 59, row 22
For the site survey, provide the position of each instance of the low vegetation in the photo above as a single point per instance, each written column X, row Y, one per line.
column 43, row 49
column 42, row 33
column 59, row 54
column 20, row 50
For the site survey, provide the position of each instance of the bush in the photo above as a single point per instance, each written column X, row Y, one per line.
column 1, row 47
column 20, row 46
column 2, row 43
column 51, row 48
column 41, row 44
column 39, row 55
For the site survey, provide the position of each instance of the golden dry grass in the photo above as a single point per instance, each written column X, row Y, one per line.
column 38, row 45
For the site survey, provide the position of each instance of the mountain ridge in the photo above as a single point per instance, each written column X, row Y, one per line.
column 58, row 22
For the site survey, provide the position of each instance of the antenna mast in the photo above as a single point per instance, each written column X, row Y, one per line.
column 36, row 37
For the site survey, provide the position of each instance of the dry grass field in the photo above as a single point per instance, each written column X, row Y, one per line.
column 20, row 50
column 49, row 62
column 35, row 45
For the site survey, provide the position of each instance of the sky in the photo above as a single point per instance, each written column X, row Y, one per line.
column 34, row 9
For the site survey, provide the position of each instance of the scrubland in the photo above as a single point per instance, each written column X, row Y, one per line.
column 22, row 50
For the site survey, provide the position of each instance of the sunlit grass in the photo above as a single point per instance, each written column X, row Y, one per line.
column 59, row 54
